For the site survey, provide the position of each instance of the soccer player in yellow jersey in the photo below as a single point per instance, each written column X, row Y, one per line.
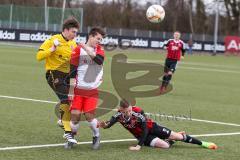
column 56, row 52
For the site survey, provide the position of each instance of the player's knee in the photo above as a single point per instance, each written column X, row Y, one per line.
column 90, row 115
column 74, row 126
column 89, row 118
column 64, row 99
column 64, row 102
column 165, row 146
column 158, row 143
column 176, row 136
column 170, row 73
column 75, row 114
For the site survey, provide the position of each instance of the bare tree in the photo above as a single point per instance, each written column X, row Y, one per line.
column 233, row 16
column 180, row 14
column 200, row 17
column 190, row 6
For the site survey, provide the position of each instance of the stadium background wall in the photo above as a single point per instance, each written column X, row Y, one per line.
column 33, row 36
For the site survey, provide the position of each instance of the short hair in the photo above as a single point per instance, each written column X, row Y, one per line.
column 95, row 30
column 177, row 32
column 70, row 22
column 124, row 103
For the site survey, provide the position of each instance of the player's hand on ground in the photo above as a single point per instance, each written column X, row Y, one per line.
column 135, row 148
column 102, row 124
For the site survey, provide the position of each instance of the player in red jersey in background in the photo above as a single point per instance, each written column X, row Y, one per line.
column 175, row 51
column 87, row 69
column 148, row 132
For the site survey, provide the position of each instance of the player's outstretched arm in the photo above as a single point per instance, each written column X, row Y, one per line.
column 110, row 123
column 143, row 137
column 102, row 124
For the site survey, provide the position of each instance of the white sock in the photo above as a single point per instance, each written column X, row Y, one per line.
column 74, row 127
column 93, row 126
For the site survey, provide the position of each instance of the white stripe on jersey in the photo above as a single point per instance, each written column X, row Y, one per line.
column 179, row 41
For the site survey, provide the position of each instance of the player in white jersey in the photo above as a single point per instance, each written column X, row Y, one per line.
column 87, row 69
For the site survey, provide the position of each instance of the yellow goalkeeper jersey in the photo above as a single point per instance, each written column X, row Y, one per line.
column 60, row 58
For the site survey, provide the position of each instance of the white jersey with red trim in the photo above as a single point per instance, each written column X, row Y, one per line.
column 89, row 73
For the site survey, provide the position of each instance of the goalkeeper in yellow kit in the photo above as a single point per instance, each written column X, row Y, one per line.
column 56, row 51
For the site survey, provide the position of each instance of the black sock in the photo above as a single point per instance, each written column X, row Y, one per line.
column 189, row 139
column 170, row 142
column 165, row 81
column 165, row 78
column 169, row 77
column 66, row 132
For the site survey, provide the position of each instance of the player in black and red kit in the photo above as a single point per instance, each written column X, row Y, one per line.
column 175, row 51
column 146, row 131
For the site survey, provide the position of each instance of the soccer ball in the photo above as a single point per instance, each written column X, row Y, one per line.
column 155, row 13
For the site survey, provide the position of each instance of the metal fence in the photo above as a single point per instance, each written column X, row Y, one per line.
column 34, row 18
column 157, row 34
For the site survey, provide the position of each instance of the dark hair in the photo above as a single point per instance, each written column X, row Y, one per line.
column 70, row 22
column 95, row 30
column 124, row 103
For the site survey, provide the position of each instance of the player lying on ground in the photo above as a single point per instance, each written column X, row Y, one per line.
column 148, row 132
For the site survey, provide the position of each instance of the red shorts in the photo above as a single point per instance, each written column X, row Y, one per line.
column 85, row 101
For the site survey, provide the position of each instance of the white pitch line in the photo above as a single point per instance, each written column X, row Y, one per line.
column 27, row 99
column 193, row 119
column 216, row 134
column 216, row 122
column 61, row 144
column 107, row 141
column 44, row 101
column 194, row 68
column 185, row 63
column 210, row 70
column 31, row 45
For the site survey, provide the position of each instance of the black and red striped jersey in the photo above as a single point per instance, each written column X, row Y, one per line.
column 175, row 49
column 138, row 124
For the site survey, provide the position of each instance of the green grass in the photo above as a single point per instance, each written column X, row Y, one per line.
column 206, row 85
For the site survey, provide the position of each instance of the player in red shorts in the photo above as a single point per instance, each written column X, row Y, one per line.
column 175, row 51
column 87, row 69
column 148, row 132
